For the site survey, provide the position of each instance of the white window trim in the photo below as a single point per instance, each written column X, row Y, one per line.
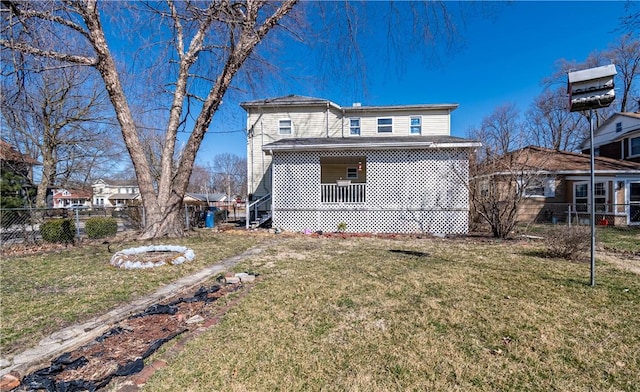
column 419, row 118
column 352, row 127
column 351, row 177
column 588, row 197
column 549, row 188
column 631, row 154
column 386, row 125
column 280, row 127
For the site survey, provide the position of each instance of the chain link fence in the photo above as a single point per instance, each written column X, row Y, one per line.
column 531, row 213
column 28, row 227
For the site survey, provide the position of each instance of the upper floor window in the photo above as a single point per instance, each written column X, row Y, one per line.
column 385, row 125
column 354, row 126
column 634, row 146
column 416, row 125
column 619, row 127
column 285, row 126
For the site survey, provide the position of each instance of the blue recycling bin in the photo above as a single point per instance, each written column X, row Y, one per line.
column 209, row 220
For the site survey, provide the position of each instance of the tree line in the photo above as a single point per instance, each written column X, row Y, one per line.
column 86, row 82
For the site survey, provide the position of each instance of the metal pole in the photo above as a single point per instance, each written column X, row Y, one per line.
column 592, row 199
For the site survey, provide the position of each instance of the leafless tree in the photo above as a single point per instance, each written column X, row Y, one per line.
column 550, row 123
column 501, row 171
column 500, row 132
column 224, row 34
column 499, row 186
column 625, row 54
column 230, row 174
column 59, row 117
column 184, row 55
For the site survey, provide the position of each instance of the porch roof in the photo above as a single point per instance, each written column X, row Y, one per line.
column 369, row 143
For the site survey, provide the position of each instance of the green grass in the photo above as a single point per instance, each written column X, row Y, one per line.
column 370, row 314
column 619, row 238
column 43, row 293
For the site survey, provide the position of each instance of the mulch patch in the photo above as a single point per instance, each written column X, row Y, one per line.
column 121, row 350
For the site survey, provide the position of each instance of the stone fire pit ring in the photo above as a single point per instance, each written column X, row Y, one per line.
column 151, row 256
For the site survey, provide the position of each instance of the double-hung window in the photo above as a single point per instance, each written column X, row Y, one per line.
column 354, row 126
column 285, row 126
column 385, row 125
column 618, row 127
column 416, row 125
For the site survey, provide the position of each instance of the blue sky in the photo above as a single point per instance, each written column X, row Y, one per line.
column 503, row 59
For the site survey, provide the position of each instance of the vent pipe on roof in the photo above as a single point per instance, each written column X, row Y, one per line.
column 356, row 104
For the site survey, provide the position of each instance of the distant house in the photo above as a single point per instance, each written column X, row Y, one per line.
column 65, row 198
column 17, row 176
column 114, row 193
column 314, row 165
column 558, row 182
column 618, row 138
column 205, row 199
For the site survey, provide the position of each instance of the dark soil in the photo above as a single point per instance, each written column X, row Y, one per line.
column 121, row 351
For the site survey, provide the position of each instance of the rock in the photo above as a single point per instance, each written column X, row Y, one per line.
column 4, row 363
column 195, row 319
column 233, row 280
column 9, row 381
column 245, row 277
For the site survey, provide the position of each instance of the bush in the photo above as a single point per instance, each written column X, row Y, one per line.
column 569, row 243
column 101, row 227
column 58, row 230
column 220, row 215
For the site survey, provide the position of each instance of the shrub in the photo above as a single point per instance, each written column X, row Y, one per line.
column 220, row 215
column 569, row 243
column 58, row 230
column 100, row 227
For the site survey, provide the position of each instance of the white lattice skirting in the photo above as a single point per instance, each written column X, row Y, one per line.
column 407, row 191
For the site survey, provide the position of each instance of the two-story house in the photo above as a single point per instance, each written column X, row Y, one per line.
column 114, row 193
column 381, row 169
column 618, row 138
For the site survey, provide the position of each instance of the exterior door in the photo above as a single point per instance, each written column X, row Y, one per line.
column 634, row 203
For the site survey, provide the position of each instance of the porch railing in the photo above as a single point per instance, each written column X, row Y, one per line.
column 352, row 193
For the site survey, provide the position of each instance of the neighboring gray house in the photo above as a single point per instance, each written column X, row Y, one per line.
column 313, row 165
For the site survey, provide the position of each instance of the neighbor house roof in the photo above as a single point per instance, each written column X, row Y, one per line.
column 559, row 162
column 208, row 196
column 9, row 154
column 368, row 143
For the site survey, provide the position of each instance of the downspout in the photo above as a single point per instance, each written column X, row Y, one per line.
column 327, row 119
column 342, row 123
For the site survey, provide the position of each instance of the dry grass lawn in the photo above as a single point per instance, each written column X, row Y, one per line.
column 378, row 314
